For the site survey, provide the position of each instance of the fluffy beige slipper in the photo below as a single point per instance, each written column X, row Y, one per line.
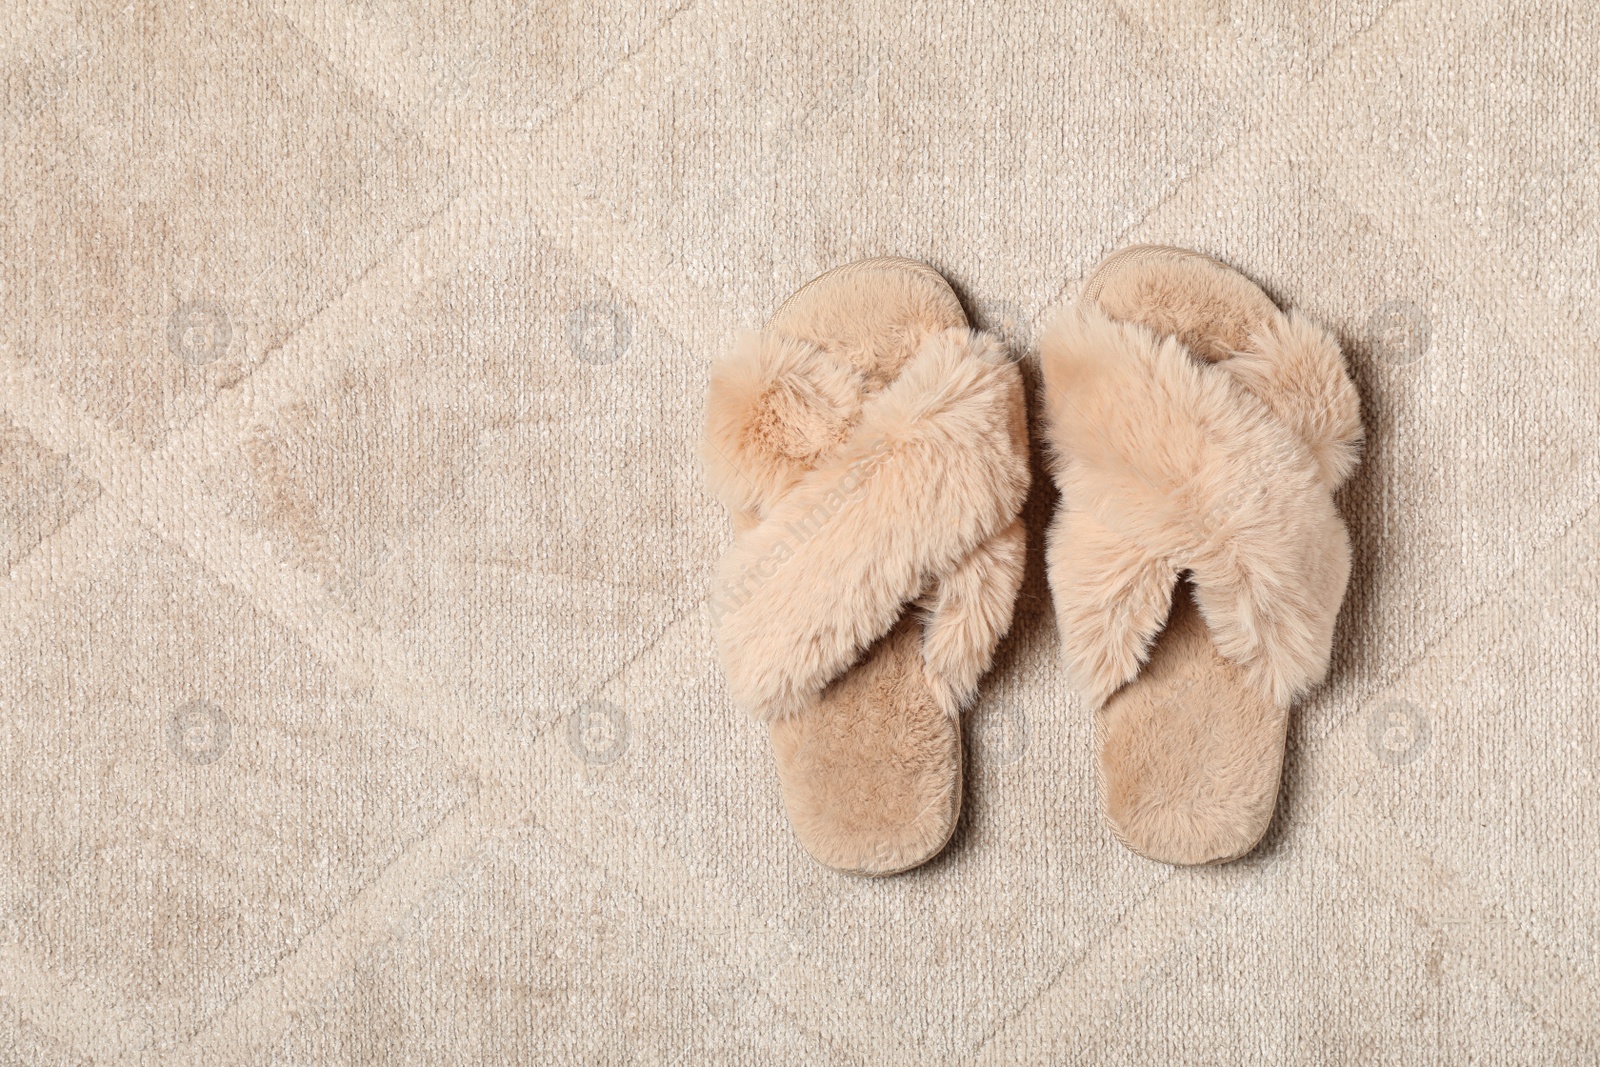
column 873, row 453
column 1195, row 430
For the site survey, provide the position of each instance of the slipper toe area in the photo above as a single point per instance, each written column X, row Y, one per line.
column 871, row 775
column 1189, row 760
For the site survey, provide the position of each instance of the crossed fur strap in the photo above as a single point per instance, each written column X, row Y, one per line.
column 1168, row 464
column 850, row 503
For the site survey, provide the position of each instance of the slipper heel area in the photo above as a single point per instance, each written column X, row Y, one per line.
column 871, row 776
column 1189, row 759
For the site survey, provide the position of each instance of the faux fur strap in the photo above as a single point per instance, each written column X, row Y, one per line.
column 1169, row 464
column 856, row 507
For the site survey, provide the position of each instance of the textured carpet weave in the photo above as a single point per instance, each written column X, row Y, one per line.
column 357, row 699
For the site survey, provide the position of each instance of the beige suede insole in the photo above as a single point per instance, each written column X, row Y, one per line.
column 871, row 776
column 1188, row 755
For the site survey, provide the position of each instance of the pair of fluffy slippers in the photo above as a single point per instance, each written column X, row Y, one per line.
column 873, row 451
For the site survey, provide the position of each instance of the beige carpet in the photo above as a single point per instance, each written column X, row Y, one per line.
column 358, row 704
